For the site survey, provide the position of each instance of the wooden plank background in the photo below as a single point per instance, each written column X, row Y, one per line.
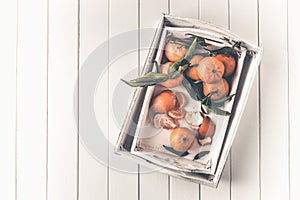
column 44, row 46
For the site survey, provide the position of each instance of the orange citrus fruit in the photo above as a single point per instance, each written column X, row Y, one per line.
column 218, row 90
column 210, row 70
column 164, row 101
column 228, row 62
column 181, row 139
column 192, row 72
column 207, row 128
column 175, row 51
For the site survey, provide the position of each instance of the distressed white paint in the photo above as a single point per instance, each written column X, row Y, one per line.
column 118, row 68
column 8, row 53
column 32, row 100
column 294, row 98
column 62, row 81
column 262, row 155
column 274, row 100
column 245, row 169
column 93, row 175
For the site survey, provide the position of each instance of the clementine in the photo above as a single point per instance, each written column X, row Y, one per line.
column 207, row 128
column 181, row 139
column 217, row 90
column 192, row 72
column 175, row 50
column 164, row 102
column 210, row 70
column 228, row 62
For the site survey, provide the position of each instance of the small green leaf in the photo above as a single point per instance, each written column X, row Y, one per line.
column 178, row 153
column 200, row 155
column 223, row 100
column 218, row 111
column 149, row 79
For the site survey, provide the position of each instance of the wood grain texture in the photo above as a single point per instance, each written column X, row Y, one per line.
column 216, row 12
column 245, row 150
column 8, row 54
column 274, row 100
column 62, row 100
column 121, row 170
column 93, row 173
column 294, row 97
column 153, row 185
column 32, row 100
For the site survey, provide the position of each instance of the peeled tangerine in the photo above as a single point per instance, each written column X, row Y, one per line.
column 181, row 139
column 228, row 62
column 217, row 90
column 210, row 70
column 207, row 128
column 170, row 83
column 164, row 102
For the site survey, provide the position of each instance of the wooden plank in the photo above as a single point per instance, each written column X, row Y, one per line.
column 294, row 97
column 216, row 12
column 274, row 101
column 32, row 100
column 8, row 51
column 62, row 80
column 180, row 189
column 93, row 176
column 189, row 8
column 245, row 169
column 123, row 18
column 150, row 180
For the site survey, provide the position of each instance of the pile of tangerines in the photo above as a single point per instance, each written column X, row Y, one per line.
column 213, row 71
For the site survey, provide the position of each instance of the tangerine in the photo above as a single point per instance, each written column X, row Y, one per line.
column 192, row 72
column 228, row 62
column 210, row 70
column 164, row 102
column 181, row 139
column 217, row 90
column 175, row 50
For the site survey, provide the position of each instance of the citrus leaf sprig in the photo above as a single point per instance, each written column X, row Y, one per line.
column 195, row 91
column 178, row 153
column 174, row 70
column 151, row 78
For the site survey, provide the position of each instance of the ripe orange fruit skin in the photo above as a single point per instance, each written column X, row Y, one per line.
column 228, row 62
column 181, row 139
column 192, row 72
column 164, row 102
column 170, row 83
column 210, row 70
column 175, row 51
column 222, row 88
column 207, row 128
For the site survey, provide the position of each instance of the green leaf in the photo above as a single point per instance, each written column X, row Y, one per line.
column 178, row 153
column 218, row 111
column 149, row 79
column 194, row 89
column 200, row 155
column 223, row 100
